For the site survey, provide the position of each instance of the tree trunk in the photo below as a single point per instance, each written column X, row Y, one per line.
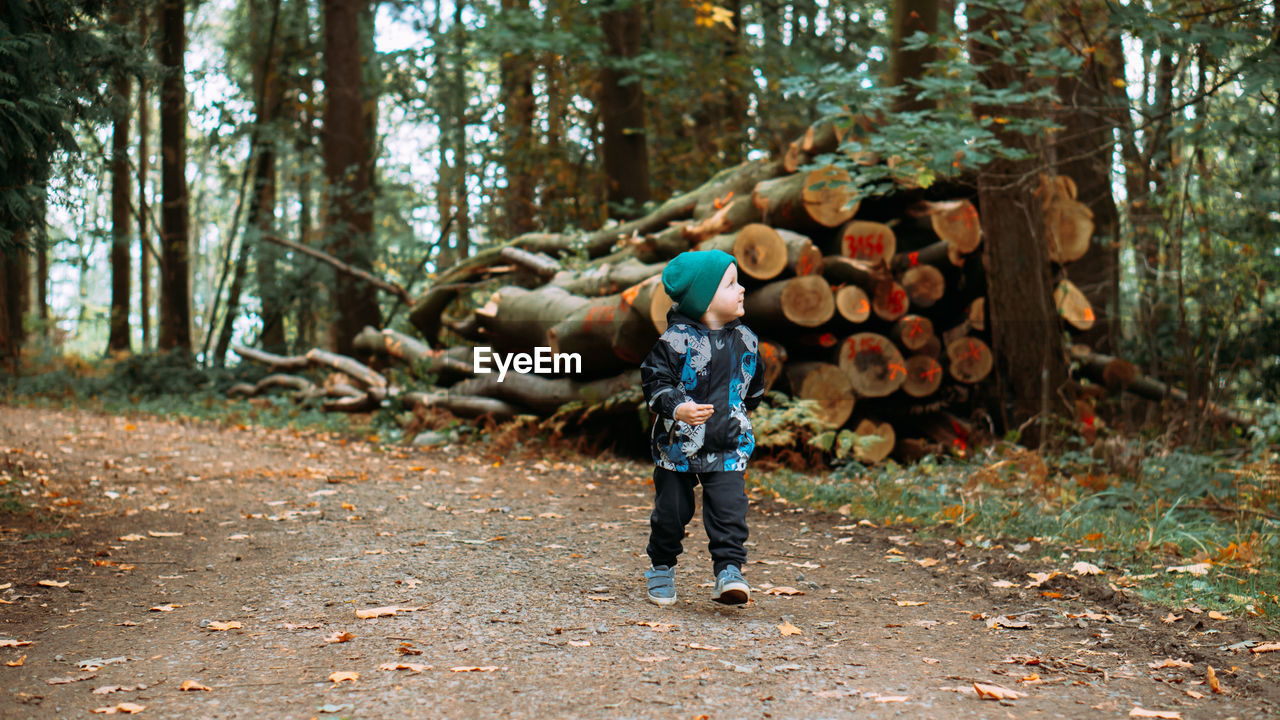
column 519, row 158
column 144, row 201
column 1025, row 331
column 121, row 213
column 175, row 273
column 622, row 110
column 909, row 17
column 348, row 161
column 13, row 302
column 268, row 94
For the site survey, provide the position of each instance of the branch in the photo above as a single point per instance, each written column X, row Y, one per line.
column 341, row 266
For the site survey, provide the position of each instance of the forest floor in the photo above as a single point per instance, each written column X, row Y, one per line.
column 204, row 570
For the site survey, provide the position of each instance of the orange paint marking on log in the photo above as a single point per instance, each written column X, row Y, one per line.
column 931, row 373
column 973, row 354
column 720, row 202
column 897, row 301
column 864, row 306
column 913, row 259
column 629, row 295
column 597, row 315
column 916, row 328
column 805, row 266
column 857, row 245
column 894, row 369
column 827, row 340
column 1088, row 314
column 871, row 346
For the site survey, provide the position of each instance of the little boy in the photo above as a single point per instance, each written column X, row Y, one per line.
column 700, row 380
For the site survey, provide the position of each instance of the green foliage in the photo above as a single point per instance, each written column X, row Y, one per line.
column 53, row 61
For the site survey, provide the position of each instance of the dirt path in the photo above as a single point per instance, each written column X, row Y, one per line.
column 521, row 576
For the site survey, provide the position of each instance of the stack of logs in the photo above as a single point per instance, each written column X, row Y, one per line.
column 874, row 310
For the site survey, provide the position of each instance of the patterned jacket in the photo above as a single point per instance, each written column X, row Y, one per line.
column 693, row 362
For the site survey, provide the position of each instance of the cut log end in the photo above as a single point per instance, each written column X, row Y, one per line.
column 873, row 364
column 924, row 376
column 808, row 301
column 875, row 441
column 1073, row 306
column 924, row 284
column 853, row 304
column 970, row 359
column 957, row 222
column 828, row 196
column 913, row 332
column 828, row 386
column 760, row 251
column 866, row 240
column 890, row 301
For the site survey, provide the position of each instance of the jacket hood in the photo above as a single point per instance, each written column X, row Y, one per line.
column 675, row 317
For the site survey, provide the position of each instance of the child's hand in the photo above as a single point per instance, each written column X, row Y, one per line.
column 693, row 413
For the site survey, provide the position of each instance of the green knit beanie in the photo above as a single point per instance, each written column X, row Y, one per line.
column 692, row 278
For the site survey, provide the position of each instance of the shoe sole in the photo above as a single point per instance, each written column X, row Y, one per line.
column 662, row 600
column 732, row 595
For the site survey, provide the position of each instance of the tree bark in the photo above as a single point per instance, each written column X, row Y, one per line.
column 348, row 161
column 1025, row 330
column 13, row 301
column 516, row 72
column 144, row 200
column 268, row 92
column 121, row 212
column 622, row 110
column 909, row 17
column 175, row 272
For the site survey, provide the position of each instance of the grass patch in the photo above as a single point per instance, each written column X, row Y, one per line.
column 1176, row 509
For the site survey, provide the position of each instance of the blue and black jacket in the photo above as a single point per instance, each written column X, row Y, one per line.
column 692, row 362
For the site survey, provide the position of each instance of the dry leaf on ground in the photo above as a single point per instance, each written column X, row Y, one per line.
column 339, row 636
column 1166, row 714
column 54, row 583
column 1211, row 679
column 168, row 607
column 194, row 685
column 1170, row 618
column 342, row 676
column 229, row 625
column 1007, row 622
column 383, row 611
column 1169, row 663
column 14, row 643
column 162, row 533
column 1196, row 569
column 786, row 628
column 700, row 646
column 18, row 662
column 126, row 708
column 912, row 603
column 414, row 667
column 1085, row 568
column 784, row 590
column 477, row 668
column 1263, row 648
column 995, row 692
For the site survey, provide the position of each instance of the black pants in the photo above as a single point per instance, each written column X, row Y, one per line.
column 724, row 515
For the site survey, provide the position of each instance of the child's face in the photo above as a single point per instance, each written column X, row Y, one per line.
column 726, row 305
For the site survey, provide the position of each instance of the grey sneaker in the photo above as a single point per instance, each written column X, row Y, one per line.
column 662, row 584
column 731, row 588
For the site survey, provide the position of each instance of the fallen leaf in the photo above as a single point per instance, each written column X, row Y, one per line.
column 1084, row 568
column 194, row 685
column 1003, row 584
column 1263, row 648
column 339, row 636
column 219, row 625
column 927, row 562
column 995, row 692
column 126, row 708
column 165, row 608
column 14, row 643
column 162, row 533
column 786, row 628
column 1007, row 622
column 383, row 611
column 700, row 646
column 1040, row 578
column 1169, row 663
column 1215, row 615
column 1033, row 677
column 579, row 643
column 54, row 583
column 68, row 680
column 1211, row 679
column 18, row 662
column 342, row 676
column 413, row 667
column 1166, row 714
column 912, row 603
column 1196, row 569
column 1194, row 694
column 657, row 626
column 131, row 537
column 477, row 668
column 407, row 648
column 1170, row 618
column 784, row 590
